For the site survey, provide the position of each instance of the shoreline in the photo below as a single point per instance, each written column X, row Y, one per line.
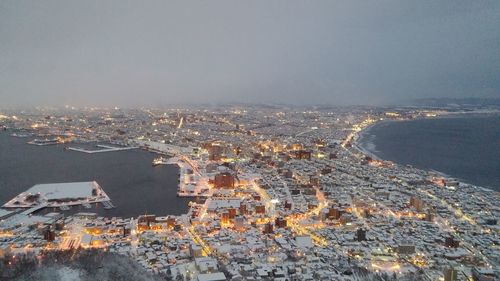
column 359, row 135
column 356, row 144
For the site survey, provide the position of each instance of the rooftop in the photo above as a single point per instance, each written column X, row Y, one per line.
column 53, row 191
column 218, row 276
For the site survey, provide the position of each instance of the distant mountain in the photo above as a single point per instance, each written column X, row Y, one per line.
column 456, row 102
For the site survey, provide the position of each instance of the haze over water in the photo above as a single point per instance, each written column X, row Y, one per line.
column 134, row 186
column 464, row 147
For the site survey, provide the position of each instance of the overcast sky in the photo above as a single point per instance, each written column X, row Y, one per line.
column 139, row 53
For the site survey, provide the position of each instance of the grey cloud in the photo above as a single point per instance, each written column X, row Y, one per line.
column 135, row 53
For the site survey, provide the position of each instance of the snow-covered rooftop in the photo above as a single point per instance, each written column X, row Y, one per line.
column 54, row 191
column 218, row 276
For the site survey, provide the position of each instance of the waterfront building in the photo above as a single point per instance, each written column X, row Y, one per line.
column 224, row 180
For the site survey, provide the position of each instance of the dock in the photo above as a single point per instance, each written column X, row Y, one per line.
column 60, row 195
column 105, row 148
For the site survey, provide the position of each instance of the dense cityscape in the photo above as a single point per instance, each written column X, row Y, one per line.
column 277, row 193
column 224, row 140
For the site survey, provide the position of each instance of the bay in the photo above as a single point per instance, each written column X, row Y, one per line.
column 466, row 147
column 133, row 184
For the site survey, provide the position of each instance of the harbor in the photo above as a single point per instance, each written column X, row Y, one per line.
column 129, row 180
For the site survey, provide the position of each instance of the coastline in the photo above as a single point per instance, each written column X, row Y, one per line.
column 371, row 152
column 356, row 143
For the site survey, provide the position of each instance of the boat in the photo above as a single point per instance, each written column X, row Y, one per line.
column 19, row 135
column 159, row 161
column 44, row 141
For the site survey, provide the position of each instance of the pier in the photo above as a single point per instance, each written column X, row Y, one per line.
column 105, row 148
column 34, row 209
column 60, row 195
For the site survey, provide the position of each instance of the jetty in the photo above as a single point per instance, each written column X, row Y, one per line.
column 104, row 148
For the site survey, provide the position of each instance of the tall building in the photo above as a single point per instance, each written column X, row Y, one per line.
column 450, row 274
column 224, row 180
column 406, row 248
column 334, row 213
column 260, row 209
column 239, row 223
column 450, row 242
column 243, row 208
column 195, row 251
column 146, row 219
column 231, row 212
column 171, row 222
column 225, row 218
column 280, row 222
column 314, row 180
column 268, row 228
column 416, row 203
column 215, row 152
column 49, row 234
column 301, row 154
column 361, row 235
